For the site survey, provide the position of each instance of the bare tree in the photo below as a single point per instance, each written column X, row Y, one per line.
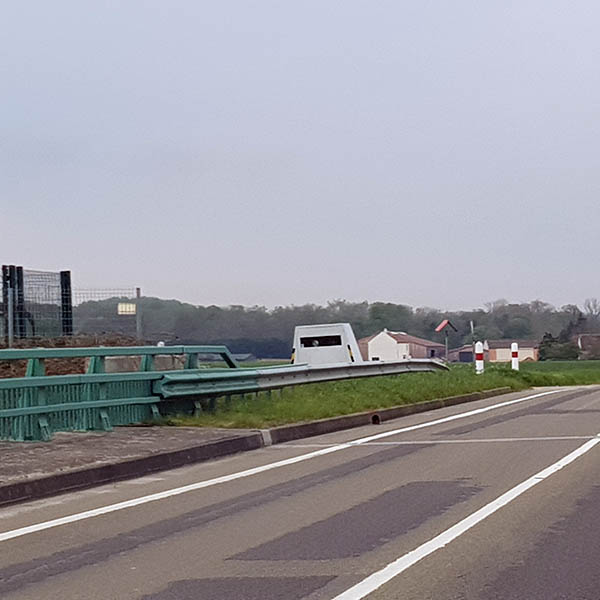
column 592, row 308
column 495, row 305
column 571, row 309
column 539, row 306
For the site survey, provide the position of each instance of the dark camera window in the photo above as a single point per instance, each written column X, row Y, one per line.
column 321, row 340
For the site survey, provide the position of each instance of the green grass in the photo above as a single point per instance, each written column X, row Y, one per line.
column 319, row 401
column 582, row 372
column 561, row 366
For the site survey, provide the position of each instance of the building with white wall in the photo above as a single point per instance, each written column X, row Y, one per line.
column 499, row 350
column 398, row 345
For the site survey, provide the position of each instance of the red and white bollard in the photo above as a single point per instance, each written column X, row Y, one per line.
column 514, row 356
column 479, row 364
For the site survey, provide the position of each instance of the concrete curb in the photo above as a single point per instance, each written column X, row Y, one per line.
column 57, row 483
column 129, row 469
column 288, row 433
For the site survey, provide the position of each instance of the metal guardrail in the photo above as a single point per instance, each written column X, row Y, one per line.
column 35, row 406
column 254, row 380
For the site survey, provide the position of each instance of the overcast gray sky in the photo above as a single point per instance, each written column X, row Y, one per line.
column 271, row 152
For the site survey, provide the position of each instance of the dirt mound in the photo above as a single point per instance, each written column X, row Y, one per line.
column 61, row 366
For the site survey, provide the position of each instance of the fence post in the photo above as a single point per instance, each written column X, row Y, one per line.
column 20, row 303
column 479, row 362
column 514, row 356
column 5, row 302
column 66, row 303
column 10, row 310
column 138, row 313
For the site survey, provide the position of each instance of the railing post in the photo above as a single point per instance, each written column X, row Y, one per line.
column 147, row 363
column 85, row 419
column 191, row 360
column 96, row 364
column 229, row 359
column 35, row 368
column 37, row 397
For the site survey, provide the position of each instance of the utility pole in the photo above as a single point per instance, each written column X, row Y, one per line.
column 444, row 326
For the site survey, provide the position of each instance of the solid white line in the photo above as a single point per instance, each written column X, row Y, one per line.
column 88, row 514
column 553, row 438
column 393, row 569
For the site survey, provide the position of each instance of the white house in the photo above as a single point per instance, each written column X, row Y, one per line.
column 398, row 345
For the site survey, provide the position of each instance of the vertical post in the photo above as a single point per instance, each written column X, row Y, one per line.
column 20, row 302
column 5, row 302
column 66, row 303
column 446, row 340
column 191, row 360
column 514, row 356
column 479, row 363
column 138, row 313
column 10, row 313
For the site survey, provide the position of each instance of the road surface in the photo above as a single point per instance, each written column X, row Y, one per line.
column 496, row 499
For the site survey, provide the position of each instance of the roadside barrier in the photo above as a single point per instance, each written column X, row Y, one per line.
column 35, row 406
column 479, row 358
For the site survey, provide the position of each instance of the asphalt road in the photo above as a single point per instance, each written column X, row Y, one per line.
column 457, row 503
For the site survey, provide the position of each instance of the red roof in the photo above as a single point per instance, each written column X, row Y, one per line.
column 404, row 338
column 442, row 325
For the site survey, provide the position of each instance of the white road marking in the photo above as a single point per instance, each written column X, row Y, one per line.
column 103, row 510
column 393, row 569
column 553, row 438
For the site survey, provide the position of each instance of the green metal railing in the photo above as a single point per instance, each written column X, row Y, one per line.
column 35, row 406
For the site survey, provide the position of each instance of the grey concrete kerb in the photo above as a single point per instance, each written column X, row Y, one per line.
column 95, row 469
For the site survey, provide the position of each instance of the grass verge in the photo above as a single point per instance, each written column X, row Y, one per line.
column 319, row 401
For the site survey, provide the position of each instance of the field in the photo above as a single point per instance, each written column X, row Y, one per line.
column 582, row 372
column 318, row 401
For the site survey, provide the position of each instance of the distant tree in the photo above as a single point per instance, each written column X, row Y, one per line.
column 592, row 308
column 495, row 305
column 395, row 317
column 518, row 327
column 552, row 349
column 571, row 309
column 268, row 332
column 482, row 333
column 539, row 306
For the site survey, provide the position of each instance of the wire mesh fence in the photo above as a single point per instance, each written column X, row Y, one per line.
column 35, row 303
column 100, row 311
column 38, row 304
column 42, row 302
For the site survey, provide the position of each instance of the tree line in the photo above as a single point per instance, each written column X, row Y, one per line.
column 268, row 332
